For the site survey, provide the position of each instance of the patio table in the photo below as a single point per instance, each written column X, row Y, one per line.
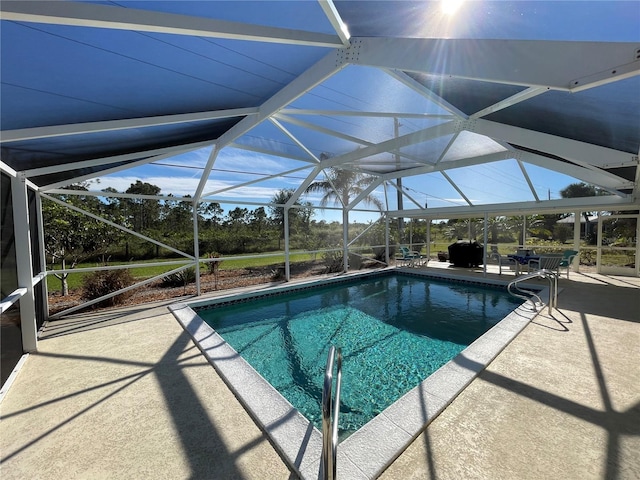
column 522, row 260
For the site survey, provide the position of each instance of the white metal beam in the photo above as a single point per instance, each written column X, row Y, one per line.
column 136, row 196
column 364, row 194
column 303, row 186
column 118, row 18
column 89, row 176
column 553, row 64
column 338, row 25
column 326, row 131
column 359, row 113
column 394, row 143
column 118, row 292
column 452, row 140
column 293, row 138
column 528, row 180
column 463, row 162
column 455, row 186
column 115, row 225
column 257, row 180
column 599, row 178
column 145, row 156
column 581, row 153
column 510, row 101
column 336, row 134
column 609, row 202
column 316, row 74
column 417, row 87
column 253, row 148
column 17, row 135
column 205, row 173
column 403, row 193
column 12, row 173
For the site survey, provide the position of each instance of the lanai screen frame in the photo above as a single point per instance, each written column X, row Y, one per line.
column 400, row 58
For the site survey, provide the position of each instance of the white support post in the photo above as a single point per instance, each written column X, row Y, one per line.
column 386, row 238
column 576, row 239
column 43, row 258
column 345, row 238
column 287, row 263
column 428, row 240
column 599, row 246
column 196, row 246
column 411, row 234
column 24, row 263
column 485, row 240
column 637, row 252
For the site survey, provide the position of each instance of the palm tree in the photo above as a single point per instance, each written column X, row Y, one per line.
column 531, row 222
column 340, row 186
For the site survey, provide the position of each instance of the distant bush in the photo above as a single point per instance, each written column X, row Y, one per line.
column 180, row 279
column 562, row 232
column 102, row 283
column 333, row 260
column 380, row 252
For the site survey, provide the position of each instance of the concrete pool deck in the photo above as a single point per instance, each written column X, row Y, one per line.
column 126, row 394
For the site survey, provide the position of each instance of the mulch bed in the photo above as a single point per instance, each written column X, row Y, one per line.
column 227, row 279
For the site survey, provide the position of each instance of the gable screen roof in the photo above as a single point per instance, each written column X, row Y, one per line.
column 393, row 89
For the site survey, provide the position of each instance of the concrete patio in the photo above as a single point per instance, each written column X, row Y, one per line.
column 125, row 393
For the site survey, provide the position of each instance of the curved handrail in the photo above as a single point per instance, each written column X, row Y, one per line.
column 553, row 288
column 330, row 414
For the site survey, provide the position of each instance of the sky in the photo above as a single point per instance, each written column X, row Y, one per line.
column 368, row 89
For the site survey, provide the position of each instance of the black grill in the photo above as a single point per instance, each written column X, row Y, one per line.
column 466, row 254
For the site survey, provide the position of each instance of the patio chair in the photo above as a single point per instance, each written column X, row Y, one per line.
column 410, row 257
column 546, row 262
column 567, row 260
column 502, row 260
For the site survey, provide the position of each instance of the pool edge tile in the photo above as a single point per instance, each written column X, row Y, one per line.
column 293, row 436
column 372, row 457
column 415, row 410
column 360, row 456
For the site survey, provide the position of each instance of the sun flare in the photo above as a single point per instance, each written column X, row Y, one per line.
column 450, row 7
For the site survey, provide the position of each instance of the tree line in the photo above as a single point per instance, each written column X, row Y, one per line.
column 72, row 237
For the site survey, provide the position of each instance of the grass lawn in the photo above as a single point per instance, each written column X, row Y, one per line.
column 75, row 280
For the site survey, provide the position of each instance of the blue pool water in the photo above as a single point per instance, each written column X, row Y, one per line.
column 393, row 330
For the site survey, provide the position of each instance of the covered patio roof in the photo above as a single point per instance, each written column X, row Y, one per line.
column 491, row 110
column 492, row 102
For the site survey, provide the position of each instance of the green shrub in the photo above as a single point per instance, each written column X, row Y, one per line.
column 98, row 284
column 180, row 279
column 333, row 260
column 379, row 252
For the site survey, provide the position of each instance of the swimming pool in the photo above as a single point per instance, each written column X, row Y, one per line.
column 394, row 331
column 374, row 446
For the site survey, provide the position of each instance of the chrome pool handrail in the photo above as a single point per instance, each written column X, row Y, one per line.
column 550, row 275
column 330, row 414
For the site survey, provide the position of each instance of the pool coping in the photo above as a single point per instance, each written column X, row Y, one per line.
column 371, row 449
